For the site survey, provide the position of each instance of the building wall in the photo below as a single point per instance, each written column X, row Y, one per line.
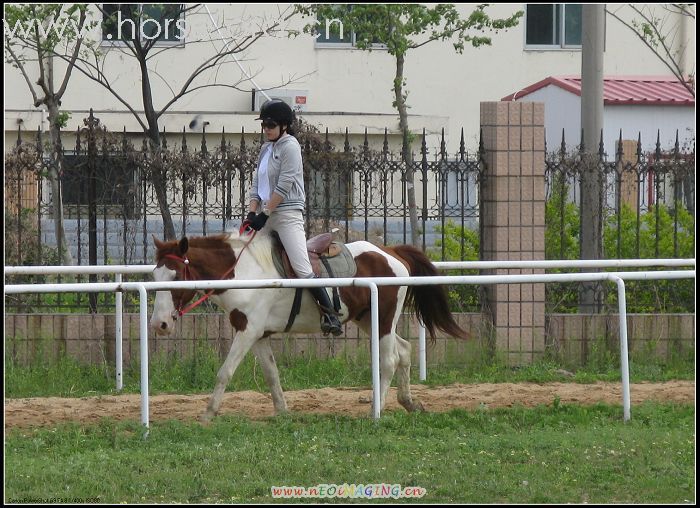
column 647, row 121
column 347, row 87
column 563, row 111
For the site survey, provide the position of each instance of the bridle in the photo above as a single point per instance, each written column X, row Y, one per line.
column 189, row 273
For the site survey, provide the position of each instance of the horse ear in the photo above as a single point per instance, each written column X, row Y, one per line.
column 183, row 245
column 159, row 244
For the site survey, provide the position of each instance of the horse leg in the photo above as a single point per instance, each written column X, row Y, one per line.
column 388, row 360
column 242, row 343
column 263, row 352
column 403, row 377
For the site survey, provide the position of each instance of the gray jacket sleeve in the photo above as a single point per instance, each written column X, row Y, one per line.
column 291, row 168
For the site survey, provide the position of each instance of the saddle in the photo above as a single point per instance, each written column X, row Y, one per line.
column 328, row 259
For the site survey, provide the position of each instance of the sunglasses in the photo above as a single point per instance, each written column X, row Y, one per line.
column 269, row 124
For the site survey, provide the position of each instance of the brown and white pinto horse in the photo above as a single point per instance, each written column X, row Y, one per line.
column 257, row 313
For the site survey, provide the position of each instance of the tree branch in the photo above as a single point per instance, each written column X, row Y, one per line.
column 20, row 66
column 208, row 64
column 102, row 80
column 666, row 59
column 684, row 9
column 40, row 57
column 76, row 51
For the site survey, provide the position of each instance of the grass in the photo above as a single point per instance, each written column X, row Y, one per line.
column 549, row 454
column 556, row 453
column 197, row 374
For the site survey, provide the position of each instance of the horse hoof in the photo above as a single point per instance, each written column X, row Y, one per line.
column 417, row 407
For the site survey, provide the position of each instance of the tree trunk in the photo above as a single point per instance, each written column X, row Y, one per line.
column 406, row 151
column 55, row 170
column 157, row 178
column 159, row 183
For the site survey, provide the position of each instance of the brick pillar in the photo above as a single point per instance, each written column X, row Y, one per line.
column 512, row 222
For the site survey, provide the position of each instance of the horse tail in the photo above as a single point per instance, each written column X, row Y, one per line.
column 429, row 302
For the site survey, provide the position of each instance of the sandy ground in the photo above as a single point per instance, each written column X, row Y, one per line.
column 343, row 401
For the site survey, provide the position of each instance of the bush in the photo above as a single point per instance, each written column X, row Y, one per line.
column 463, row 298
column 562, row 242
column 635, row 241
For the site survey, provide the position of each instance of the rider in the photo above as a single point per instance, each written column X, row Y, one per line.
column 277, row 192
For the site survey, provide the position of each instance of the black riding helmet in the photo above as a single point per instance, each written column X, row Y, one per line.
column 278, row 111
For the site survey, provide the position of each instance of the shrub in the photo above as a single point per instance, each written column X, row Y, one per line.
column 463, row 298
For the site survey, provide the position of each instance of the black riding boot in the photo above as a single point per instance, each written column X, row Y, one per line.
column 329, row 321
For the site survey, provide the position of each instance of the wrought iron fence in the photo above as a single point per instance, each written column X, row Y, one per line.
column 650, row 192
column 112, row 209
column 648, row 211
column 109, row 181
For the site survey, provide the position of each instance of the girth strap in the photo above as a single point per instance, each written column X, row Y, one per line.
column 296, row 307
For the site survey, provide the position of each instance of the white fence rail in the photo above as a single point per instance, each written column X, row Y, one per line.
column 372, row 284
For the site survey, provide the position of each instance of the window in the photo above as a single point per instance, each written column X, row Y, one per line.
column 553, row 26
column 116, row 186
column 163, row 23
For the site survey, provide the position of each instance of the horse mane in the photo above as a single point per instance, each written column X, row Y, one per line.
column 260, row 247
column 208, row 242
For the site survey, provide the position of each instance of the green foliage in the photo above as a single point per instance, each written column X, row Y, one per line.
column 561, row 235
column 62, row 119
column 561, row 241
column 401, row 27
column 22, row 246
column 642, row 296
column 634, row 241
column 649, row 240
column 196, row 370
column 641, row 240
column 460, row 244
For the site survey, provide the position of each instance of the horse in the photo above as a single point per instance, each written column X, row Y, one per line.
column 255, row 314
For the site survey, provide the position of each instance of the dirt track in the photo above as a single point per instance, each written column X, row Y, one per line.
column 346, row 401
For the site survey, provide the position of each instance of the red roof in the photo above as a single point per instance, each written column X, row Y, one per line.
column 622, row 90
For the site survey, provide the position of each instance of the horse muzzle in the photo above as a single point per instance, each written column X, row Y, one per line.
column 163, row 327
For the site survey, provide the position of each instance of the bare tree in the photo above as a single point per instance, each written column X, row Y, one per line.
column 144, row 49
column 663, row 29
column 34, row 33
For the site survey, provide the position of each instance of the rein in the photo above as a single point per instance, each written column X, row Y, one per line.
column 187, row 271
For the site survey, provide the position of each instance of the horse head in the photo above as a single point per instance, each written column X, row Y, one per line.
column 172, row 263
column 197, row 258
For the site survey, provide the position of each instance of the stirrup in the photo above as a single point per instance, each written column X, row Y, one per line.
column 330, row 325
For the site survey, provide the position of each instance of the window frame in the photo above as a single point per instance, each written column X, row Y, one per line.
column 119, row 43
column 555, row 46
column 346, row 45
